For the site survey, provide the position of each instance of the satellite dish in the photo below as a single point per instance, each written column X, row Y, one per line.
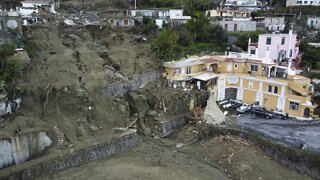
column 12, row 24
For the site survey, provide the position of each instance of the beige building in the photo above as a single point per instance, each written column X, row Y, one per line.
column 227, row 13
column 247, row 80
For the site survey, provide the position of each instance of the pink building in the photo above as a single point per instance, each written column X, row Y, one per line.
column 279, row 48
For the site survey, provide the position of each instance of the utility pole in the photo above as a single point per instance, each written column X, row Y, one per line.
column 135, row 4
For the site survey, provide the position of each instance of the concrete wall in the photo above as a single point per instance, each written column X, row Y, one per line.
column 48, row 165
column 135, row 82
column 238, row 26
column 165, row 128
column 19, row 149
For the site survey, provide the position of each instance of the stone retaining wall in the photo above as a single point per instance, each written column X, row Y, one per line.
column 48, row 165
column 165, row 128
column 135, row 82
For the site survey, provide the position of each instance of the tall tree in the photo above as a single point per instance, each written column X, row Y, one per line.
column 165, row 44
column 6, row 50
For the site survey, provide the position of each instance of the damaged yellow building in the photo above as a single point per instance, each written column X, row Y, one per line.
column 245, row 79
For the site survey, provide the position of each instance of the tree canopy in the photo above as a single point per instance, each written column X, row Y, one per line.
column 165, row 44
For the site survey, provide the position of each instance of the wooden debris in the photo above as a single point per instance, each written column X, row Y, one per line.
column 229, row 158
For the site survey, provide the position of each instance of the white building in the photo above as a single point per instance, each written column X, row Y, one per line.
column 161, row 16
column 29, row 7
column 226, row 13
column 237, row 24
column 271, row 23
column 313, row 22
column 241, row 3
column 302, row 3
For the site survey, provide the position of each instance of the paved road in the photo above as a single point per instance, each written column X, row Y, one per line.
column 291, row 132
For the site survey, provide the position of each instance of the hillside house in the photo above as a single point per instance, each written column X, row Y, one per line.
column 33, row 6
column 10, row 27
column 245, row 79
column 302, row 3
column 241, row 3
column 271, row 23
column 226, row 13
column 161, row 16
column 313, row 22
column 237, row 24
column 280, row 48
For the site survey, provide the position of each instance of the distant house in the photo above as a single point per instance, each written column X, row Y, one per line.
column 31, row 6
column 120, row 22
column 161, row 16
column 176, row 17
column 302, row 3
column 271, row 23
column 241, row 3
column 226, row 13
column 313, row 22
column 237, row 24
column 10, row 27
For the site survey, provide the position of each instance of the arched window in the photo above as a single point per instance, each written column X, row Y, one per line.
column 270, row 88
column 275, row 90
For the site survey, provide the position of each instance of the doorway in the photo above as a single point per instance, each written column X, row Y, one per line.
column 306, row 113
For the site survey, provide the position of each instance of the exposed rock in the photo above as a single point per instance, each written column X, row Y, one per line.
column 152, row 113
column 138, row 103
column 94, row 128
column 122, row 108
column 103, row 54
column 109, row 67
column 80, row 131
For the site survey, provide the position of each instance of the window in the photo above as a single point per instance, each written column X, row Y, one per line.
column 290, row 52
column 253, row 51
column 236, row 66
column 275, row 90
column 111, row 22
column 270, row 88
column 283, row 40
column 176, row 71
column 269, row 21
column 278, row 21
column 305, row 2
column 268, row 41
column 188, row 69
column 294, row 106
column 254, row 68
column 250, row 85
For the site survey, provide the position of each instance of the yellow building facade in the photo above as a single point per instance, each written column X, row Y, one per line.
column 246, row 80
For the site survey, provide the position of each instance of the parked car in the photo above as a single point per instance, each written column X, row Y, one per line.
column 262, row 113
column 244, row 108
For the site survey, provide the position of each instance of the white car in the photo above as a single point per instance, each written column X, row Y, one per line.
column 244, row 108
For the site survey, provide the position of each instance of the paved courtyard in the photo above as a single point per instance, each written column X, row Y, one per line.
column 291, row 132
